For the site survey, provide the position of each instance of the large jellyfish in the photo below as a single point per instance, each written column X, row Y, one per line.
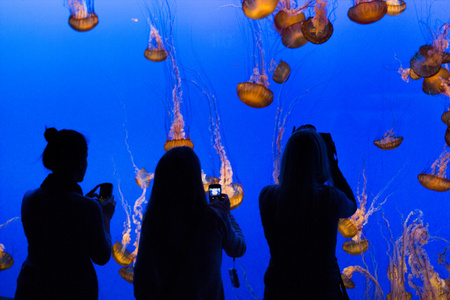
column 6, row 260
column 255, row 92
column 428, row 60
column 318, row 29
column 258, row 9
column 82, row 15
column 347, row 273
column 423, row 279
column 367, row 11
column 395, row 7
column 358, row 245
column 155, row 51
column 389, row 141
column 288, row 23
column 435, row 177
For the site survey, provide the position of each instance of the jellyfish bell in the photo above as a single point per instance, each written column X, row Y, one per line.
column 395, row 7
column 427, row 61
column 143, row 178
column 6, row 260
column 85, row 23
column 434, row 182
column 317, row 32
column 356, row 248
column 155, row 55
column 367, row 12
column 347, row 228
column 282, row 72
column 437, row 84
column 292, row 36
column 348, row 283
column 283, row 19
column 170, row 144
column 407, row 297
column 127, row 273
column 446, row 118
column 258, row 9
column 121, row 255
column 236, row 196
column 254, row 94
column 388, row 143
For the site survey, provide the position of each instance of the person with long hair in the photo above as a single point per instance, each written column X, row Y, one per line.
column 65, row 230
column 300, row 217
column 182, row 237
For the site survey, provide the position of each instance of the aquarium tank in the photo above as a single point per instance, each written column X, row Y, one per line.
column 231, row 79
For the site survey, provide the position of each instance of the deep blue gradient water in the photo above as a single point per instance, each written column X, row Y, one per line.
column 100, row 84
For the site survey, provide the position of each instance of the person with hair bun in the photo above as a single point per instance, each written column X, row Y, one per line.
column 65, row 230
column 300, row 219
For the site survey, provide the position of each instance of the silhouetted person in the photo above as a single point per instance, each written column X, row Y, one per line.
column 66, row 231
column 300, row 218
column 182, row 237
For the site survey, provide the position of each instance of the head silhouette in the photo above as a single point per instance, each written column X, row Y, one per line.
column 178, row 181
column 65, row 153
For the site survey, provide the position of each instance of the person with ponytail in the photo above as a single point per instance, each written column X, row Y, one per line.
column 65, row 230
column 300, row 217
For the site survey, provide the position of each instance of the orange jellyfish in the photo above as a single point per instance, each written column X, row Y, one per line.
column 348, row 272
column 318, row 29
column 428, row 60
column 435, row 178
column 6, row 260
column 347, row 228
column 395, row 7
column 258, row 9
column 282, row 72
column 367, row 11
column 127, row 273
column 348, row 283
column 121, row 255
column 288, row 23
column 155, row 53
column 438, row 83
column 256, row 93
column 389, row 141
column 82, row 15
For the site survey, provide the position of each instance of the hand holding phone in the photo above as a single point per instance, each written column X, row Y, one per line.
column 215, row 192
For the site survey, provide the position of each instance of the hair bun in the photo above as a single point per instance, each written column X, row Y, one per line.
column 50, row 134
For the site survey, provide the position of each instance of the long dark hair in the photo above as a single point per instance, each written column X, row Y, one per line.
column 304, row 166
column 177, row 184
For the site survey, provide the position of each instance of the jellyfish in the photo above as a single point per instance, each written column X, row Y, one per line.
column 258, row 9
column 348, row 283
column 423, row 279
column 358, row 245
column 256, row 93
column 82, row 15
column 407, row 73
column 435, row 178
column 6, row 260
column 348, row 272
column 437, row 83
column 127, row 273
column 288, row 23
column 428, row 60
column 121, row 255
column 395, row 7
column 318, row 29
column 446, row 118
column 389, row 141
column 367, row 11
column 282, row 72
column 347, row 228
column 155, row 53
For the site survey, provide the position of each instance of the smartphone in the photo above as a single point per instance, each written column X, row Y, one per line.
column 215, row 190
column 105, row 191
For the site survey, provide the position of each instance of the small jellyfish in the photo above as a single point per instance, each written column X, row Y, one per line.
column 353, row 247
column 318, row 29
column 127, row 273
column 6, row 260
column 395, row 7
column 282, row 72
column 435, row 178
column 155, row 53
column 389, row 141
column 258, row 9
column 255, row 93
column 143, row 178
column 367, row 11
column 348, row 283
column 347, row 228
column 437, row 83
column 82, row 15
column 121, row 255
